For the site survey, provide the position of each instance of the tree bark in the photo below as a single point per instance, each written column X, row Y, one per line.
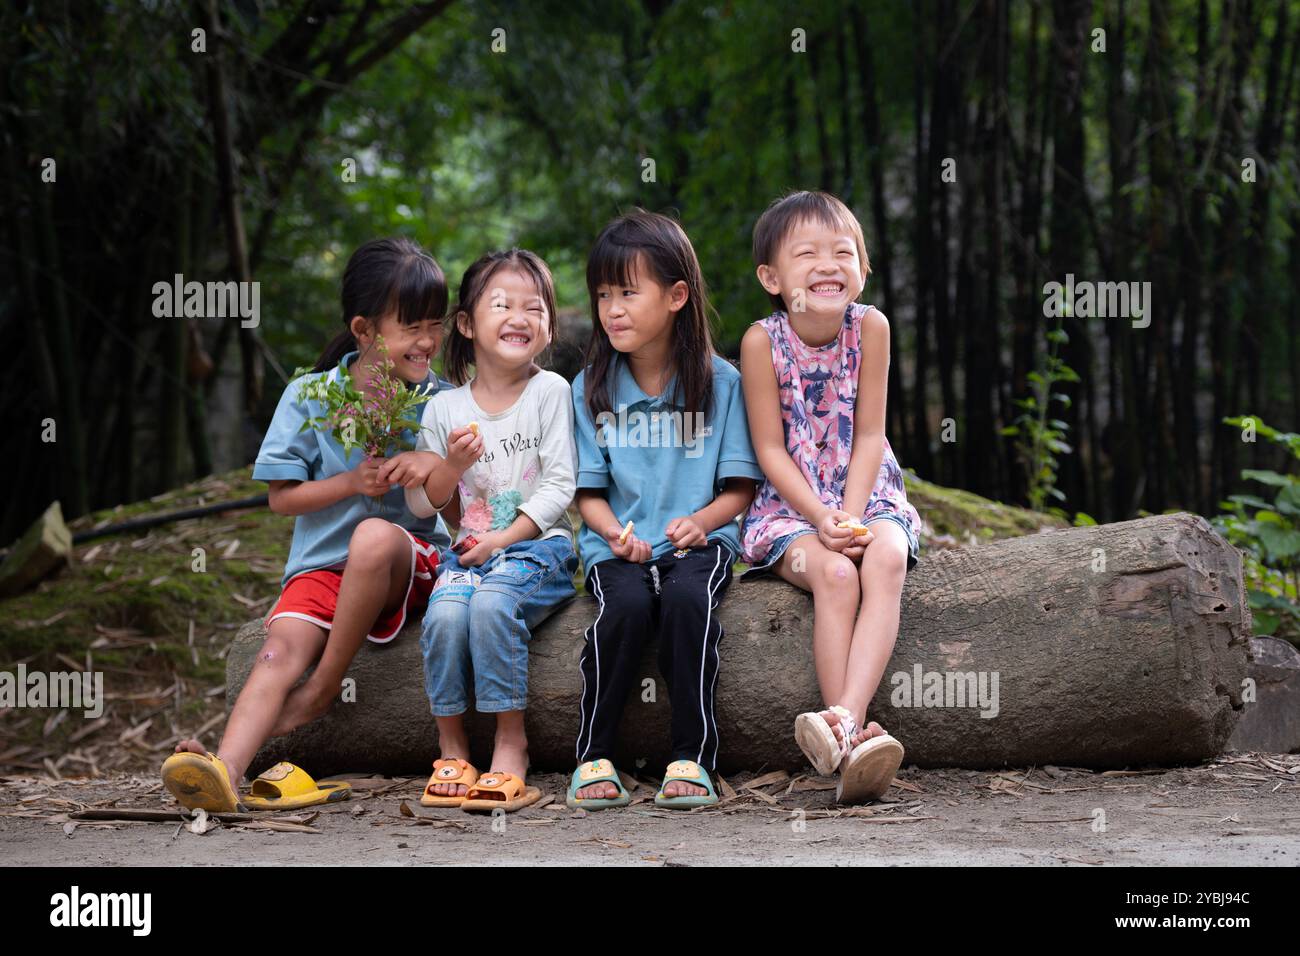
column 1113, row 646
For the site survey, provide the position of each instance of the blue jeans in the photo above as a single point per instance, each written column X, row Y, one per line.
column 480, row 620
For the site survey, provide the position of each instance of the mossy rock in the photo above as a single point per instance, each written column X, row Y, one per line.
column 967, row 518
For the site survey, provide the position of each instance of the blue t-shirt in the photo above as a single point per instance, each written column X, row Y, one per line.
column 652, row 471
column 320, row 538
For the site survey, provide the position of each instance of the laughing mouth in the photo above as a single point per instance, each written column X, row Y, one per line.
column 516, row 338
column 826, row 288
column 418, row 358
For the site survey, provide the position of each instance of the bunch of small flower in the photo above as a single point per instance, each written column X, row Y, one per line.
column 376, row 420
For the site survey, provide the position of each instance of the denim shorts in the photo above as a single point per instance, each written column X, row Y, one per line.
column 780, row 544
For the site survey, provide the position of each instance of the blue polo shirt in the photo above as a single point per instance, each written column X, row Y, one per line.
column 320, row 539
column 650, row 470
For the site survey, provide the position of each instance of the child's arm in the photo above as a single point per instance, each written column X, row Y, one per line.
column 288, row 497
column 694, row 530
column 556, row 457
column 599, row 517
column 290, row 455
column 869, row 415
column 763, row 402
column 592, row 480
column 446, row 457
column 463, row 449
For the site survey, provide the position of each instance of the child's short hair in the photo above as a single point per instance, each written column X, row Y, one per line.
column 779, row 218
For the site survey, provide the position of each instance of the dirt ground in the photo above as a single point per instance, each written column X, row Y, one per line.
column 1238, row 810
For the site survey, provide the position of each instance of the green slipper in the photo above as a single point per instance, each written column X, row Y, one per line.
column 687, row 771
column 595, row 771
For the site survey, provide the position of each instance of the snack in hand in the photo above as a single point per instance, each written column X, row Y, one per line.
column 858, row 529
column 622, row 538
column 473, row 427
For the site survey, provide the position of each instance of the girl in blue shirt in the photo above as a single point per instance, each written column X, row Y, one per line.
column 355, row 570
column 665, row 465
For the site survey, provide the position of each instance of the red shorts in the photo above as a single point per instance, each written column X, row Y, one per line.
column 313, row 595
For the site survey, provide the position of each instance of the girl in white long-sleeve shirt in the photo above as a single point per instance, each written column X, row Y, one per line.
column 505, row 465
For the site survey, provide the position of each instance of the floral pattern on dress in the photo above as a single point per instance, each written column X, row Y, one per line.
column 818, row 392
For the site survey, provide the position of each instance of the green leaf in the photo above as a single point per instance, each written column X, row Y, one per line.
column 1269, row 478
column 1282, row 543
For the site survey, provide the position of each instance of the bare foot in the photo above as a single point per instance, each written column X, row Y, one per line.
column 451, row 748
column 598, row 791
column 510, row 755
column 872, row 729
column 680, row 788
column 192, row 746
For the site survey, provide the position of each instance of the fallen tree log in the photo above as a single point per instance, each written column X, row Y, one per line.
column 1107, row 646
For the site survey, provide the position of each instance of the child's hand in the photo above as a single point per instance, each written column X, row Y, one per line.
column 685, row 533
column 487, row 543
column 831, row 535
column 632, row 549
column 410, row 469
column 366, row 480
column 463, row 448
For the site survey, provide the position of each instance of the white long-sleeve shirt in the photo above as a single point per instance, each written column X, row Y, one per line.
column 528, row 463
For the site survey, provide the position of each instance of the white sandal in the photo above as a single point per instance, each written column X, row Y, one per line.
column 818, row 742
column 869, row 769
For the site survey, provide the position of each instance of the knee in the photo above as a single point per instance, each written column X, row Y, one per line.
column 372, row 542
column 836, row 579
column 683, row 601
column 885, row 569
column 445, row 625
column 631, row 607
column 488, row 606
column 280, row 655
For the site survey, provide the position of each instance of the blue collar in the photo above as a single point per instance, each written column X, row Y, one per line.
column 627, row 392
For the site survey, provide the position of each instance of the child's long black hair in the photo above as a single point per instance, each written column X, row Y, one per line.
column 654, row 243
column 385, row 276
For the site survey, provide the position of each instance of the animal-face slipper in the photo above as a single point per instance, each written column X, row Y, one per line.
column 595, row 771
column 687, row 771
column 497, row 789
column 448, row 770
column 286, row 787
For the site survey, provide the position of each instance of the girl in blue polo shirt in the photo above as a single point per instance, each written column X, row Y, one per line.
column 356, row 569
column 665, row 466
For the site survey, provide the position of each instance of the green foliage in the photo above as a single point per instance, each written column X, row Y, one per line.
column 1268, row 532
column 374, row 421
column 1040, row 438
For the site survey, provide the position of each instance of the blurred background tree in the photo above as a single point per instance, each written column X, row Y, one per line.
column 988, row 148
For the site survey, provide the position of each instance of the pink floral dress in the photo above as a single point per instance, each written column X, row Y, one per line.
column 818, row 390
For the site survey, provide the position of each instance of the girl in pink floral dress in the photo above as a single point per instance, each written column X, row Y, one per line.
column 832, row 517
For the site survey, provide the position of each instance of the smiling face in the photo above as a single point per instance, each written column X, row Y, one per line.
column 510, row 326
column 641, row 313
column 816, row 266
column 411, row 347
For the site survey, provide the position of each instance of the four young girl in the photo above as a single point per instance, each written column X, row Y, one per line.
column 664, row 465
